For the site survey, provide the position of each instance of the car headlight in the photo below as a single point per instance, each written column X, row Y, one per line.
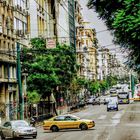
column 19, row 131
column 34, row 130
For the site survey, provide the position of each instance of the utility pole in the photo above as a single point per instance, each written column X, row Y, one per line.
column 132, row 84
column 21, row 107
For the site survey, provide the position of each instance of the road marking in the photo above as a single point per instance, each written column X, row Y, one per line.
column 118, row 115
column 132, row 111
column 102, row 117
column 115, row 122
column 116, row 118
column 132, row 124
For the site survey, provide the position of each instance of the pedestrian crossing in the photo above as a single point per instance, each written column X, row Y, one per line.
column 109, row 120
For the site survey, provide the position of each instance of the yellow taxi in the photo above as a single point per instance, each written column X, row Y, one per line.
column 67, row 122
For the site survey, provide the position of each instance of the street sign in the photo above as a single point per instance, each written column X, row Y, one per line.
column 51, row 43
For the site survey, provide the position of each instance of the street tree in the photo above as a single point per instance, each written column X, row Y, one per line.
column 122, row 17
column 49, row 70
column 94, row 87
column 33, row 97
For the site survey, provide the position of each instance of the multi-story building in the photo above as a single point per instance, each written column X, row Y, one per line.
column 62, row 25
column 104, row 63
column 86, row 51
column 13, row 25
column 109, row 65
column 37, row 24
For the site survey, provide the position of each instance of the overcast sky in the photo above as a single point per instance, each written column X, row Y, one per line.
column 104, row 37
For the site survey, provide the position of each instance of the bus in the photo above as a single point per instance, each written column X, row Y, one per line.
column 113, row 92
column 123, row 97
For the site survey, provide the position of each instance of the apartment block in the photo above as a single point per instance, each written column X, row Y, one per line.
column 37, row 20
column 86, row 51
column 13, row 27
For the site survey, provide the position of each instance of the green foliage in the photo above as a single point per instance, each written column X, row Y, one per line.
column 33, row 97
column 38, row 43
column 111, row 80
column 103, row 85
column 77, row 84
column 93, row 86
column 123, row 18
column 48, row 68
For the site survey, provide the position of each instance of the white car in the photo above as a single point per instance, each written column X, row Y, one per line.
column 16, row 129
column 90, row 100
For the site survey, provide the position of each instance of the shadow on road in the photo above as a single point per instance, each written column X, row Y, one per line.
column 69, row 130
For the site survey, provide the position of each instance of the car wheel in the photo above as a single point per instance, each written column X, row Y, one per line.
column 34, row 137
column 83, row 127
column 2, row 136
column 13, row 137
column 54, row 128
column 107, row 110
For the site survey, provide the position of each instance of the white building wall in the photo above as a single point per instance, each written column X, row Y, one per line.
column 99, row 57
column 63, row 22
column 33, row 18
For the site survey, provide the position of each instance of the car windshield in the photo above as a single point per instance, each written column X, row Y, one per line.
column 111, row 103
column 19, row 124
column 75, row 117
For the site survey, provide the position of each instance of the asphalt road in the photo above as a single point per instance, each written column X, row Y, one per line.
column 115, row 125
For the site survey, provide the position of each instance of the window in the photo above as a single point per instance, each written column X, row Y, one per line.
column 0, row 71
column 5, row 72
column 71, row 118
column 7, row 124
column 59, row 118
column 87, row 42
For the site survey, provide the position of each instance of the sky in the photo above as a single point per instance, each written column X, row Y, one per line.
column 103, row 35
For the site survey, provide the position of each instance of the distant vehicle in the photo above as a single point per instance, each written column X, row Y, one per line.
column 17, row 129
column 123, row 97
column 106, row 100
column 112, row 106
column 90, row 100
column 67, row 122
column 81, row 103
column 101, row 99
column 113, row 92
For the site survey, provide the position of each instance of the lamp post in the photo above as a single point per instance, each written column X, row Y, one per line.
column 21, row 103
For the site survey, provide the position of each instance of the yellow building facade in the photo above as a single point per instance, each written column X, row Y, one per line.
column 87, row 52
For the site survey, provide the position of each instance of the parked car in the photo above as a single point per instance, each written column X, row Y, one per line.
column 17, row 129
column 106, row 101
column 112, row 106
column 90, row 100
column 96, row 102
column 67, row 122
column 81, row 103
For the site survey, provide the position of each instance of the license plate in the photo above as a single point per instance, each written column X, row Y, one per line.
column 29, row 130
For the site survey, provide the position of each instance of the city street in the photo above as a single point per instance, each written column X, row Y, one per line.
column 114, row 125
